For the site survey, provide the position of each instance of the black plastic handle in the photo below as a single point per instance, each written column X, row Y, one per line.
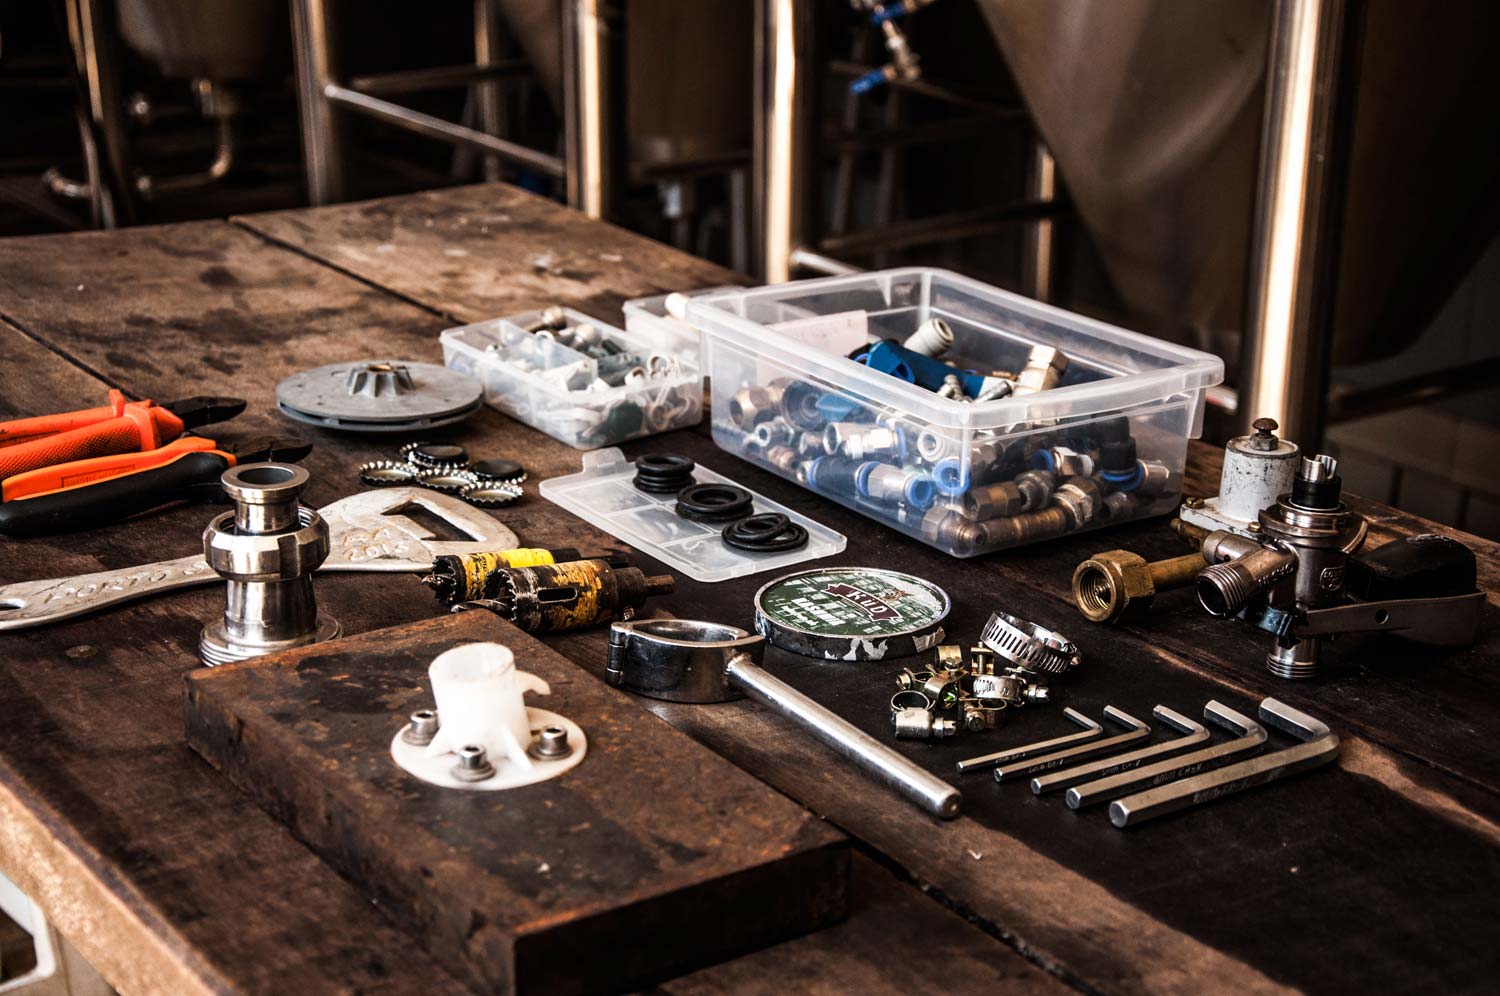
column 191, row 477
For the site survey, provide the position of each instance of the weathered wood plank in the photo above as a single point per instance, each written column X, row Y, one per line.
column 634, row 855
column 479, row 252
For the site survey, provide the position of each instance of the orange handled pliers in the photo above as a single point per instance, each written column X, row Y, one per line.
column 121, row 427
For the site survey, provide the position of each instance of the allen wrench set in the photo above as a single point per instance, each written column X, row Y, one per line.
column 1164, row 777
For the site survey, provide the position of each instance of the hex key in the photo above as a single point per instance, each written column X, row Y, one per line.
column 1091, row 730
column 1251, row 737
column 1194, row 733
column 1319, row 746
column 1135, row 730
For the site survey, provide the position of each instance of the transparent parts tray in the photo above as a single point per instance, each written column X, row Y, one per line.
column 538, row 380
column 1111, row 436
column 603, row 494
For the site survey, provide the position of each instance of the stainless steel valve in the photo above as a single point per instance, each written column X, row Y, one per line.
column 266, row 549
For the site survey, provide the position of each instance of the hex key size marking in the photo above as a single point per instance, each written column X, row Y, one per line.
column 1193, row 734
column 1135, row 730
column 1091, row 730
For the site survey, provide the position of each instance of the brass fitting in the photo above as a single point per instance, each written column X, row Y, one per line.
column 1108, row 584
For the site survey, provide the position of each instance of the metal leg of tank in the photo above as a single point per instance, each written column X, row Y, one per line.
column 1041, row 186
column 586, row 70
column 488, row 41
column 101, row 113
column 322, row 151
column 1285, row 353
column 783, row 81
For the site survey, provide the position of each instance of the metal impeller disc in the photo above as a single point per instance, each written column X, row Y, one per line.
column 379, row 396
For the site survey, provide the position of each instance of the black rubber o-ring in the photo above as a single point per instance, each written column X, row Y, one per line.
column 714, row 502
column 766, row 525
column 663, row 473
column 793, row 537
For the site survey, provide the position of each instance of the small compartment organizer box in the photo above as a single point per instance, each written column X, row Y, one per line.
column 588, row 385
column 1106, row 444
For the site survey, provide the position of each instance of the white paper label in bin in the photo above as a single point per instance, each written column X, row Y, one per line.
column 602, row 493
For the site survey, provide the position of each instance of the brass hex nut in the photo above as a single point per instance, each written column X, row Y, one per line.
column 1108, row 584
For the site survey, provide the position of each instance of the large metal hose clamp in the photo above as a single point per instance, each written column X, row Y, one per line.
column 679, row 660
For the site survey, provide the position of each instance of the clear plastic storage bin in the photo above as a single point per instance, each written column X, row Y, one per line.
column 644, row 381
column 1106, row 444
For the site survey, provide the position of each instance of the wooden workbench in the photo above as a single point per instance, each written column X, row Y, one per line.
column 1381, row 872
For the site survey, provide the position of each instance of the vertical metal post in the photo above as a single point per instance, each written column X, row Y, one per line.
column 487, row 45
column 1285, row 354
column 101, row 114
column 586, row 70
column 1041, row 185
column 782, row 82
column 312, row 39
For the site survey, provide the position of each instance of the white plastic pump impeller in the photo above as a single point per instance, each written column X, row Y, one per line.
column 486, row 737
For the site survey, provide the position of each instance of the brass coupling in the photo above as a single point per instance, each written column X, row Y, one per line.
column 1110, row 584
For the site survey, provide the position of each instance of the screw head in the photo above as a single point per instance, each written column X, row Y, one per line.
column 1192, row 502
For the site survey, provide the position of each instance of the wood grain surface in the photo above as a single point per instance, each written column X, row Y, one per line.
column 654, row 853
column 1372, row 873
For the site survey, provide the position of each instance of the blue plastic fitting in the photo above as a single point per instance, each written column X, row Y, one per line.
column 950, row 476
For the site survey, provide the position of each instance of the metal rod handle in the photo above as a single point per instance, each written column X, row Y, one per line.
column 918, row 785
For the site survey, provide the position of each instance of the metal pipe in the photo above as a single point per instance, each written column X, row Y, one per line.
column 100, row 112
column 436, row 77
column 924, row 88
column 806, row 259
column 426, row 124
column 909, row 779
column 781, row 94
column 487, row 43
column 585, row 124
column 1284, row 357
column 322, row 151
column 921, row 231
column 1417, row 390
column 1041, row 186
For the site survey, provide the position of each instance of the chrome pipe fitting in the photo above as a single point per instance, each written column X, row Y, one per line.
column 266, row 550
column 883, row 482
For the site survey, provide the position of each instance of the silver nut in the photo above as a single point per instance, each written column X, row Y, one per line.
column 550, row 744
column 422, row 728
column 473, row 765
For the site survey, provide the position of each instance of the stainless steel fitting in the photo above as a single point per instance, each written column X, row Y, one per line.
column 932, row 338
column 1013, row 688
column 1155, row 477
column 864, row 442
column 1045, row 366
column 1071, row 463
column 266, row 549
column 916, row 722
column 775, row 431
column 994, row 501
column 932, row 445
column 884, row 482
column 754, row 404
column 1080, row 498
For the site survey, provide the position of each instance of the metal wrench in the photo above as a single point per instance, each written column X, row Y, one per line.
column 1319, row 747
column 1135, row 730
column 366, row 532
column 1194, row 733
column 1091, row 730
column 1251, row 736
